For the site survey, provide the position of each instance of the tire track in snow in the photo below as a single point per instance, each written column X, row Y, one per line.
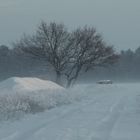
column 106, row 125
column 70, row 130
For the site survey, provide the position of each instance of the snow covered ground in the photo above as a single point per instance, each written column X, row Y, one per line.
column 98, row 112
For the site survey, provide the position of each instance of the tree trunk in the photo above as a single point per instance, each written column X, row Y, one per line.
column 69, row 83
column 58, row 78
column 71, row 80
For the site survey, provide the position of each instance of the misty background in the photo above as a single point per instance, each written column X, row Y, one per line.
column 118, row 22
column 13, row 63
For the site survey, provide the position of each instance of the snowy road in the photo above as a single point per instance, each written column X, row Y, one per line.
column 106, row 112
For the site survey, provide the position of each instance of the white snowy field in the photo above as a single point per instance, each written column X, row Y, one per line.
column 96, row 112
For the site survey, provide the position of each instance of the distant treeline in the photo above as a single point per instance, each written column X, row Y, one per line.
column 16, row 63
column 126, row 69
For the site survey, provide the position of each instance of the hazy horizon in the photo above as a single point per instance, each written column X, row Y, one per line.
column 118, row 21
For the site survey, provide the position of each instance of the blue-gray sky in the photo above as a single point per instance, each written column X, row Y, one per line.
column 117, row 20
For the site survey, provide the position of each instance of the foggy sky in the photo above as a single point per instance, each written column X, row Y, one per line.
column 117, row 20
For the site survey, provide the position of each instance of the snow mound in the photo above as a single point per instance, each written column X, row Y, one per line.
column 19, row 96
column 27, row 84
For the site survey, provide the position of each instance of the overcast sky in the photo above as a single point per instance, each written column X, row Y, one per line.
column 117, row 20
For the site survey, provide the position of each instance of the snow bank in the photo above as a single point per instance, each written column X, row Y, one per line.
column 26, row 84
column 19, row 96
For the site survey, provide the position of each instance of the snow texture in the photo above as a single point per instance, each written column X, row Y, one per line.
column 19, row 96
column 97, row 112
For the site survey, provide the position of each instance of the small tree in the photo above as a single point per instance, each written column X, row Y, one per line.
column 51, row 43
column 88, row 50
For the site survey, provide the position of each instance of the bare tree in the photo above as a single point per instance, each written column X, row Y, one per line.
column 51, row 43
column 68, row 53
column 88, row 50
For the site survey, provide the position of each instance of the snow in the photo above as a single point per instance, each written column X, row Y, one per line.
column 20, row 96
column 26, row 84
column 100, row 112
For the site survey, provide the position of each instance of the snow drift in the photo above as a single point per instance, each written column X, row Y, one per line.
column 17, row 84
column 19, row 96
